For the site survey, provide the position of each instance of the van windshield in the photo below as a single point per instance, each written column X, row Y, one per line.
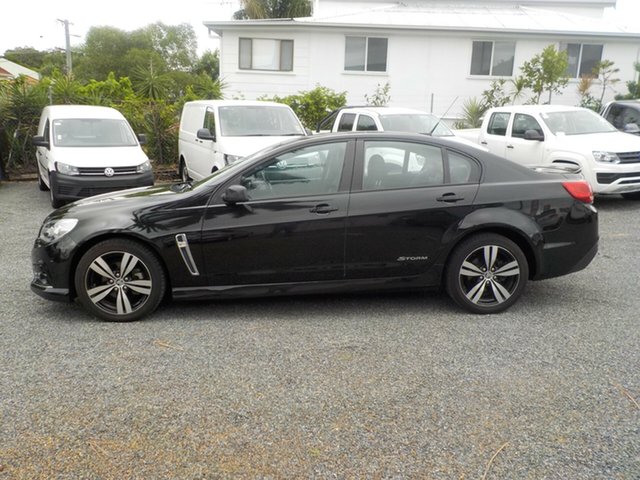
column 415, row 123
column 92, row 132
column 258, row 121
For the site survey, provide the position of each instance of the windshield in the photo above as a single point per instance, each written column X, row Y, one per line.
column 258, row 120
column 415, row 123
column 576, row 122
column 92, row 132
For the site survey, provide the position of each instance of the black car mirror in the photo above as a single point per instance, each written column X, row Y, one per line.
column 533, row 135
column 39, row 141
column 235, row 194
column 632, row 128
column 142, row 138
column 205, row 134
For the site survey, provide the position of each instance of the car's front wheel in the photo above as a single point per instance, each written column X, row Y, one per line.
column 120, row 280
column 486, row 273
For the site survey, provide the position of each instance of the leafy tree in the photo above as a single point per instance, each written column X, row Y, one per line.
column 495, row 96
column 176, row 44
column 313, row 105
column 26, row 56
column 209, row 64
column 633, row 87
column 605, row 71
column 546, row 72
column 256, row 9
column 380, row 97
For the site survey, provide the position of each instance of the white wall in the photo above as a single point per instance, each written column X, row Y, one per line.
column 429, row 71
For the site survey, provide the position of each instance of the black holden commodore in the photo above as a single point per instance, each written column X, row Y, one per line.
column 327, row 213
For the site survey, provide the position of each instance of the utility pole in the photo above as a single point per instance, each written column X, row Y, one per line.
column 67, row 38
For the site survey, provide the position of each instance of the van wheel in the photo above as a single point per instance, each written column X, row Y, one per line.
column 486, row 273
column 184, row 172
column 55, row 201
column 41, row 185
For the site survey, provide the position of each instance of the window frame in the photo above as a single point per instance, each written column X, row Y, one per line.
column 365, row 54
column 564, row 47
column 492, row 58
column 280, row 49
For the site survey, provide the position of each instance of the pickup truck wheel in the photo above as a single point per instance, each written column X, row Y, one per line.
column 631, row 196
column 486, row 273
column 120, row 280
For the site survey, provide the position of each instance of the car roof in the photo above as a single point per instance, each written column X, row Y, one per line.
column 82, row 111
column 230, row 103
column 373, row 110
column 539, row 108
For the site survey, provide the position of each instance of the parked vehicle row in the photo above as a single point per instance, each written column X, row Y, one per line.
column 565, row 136
column 325, row 213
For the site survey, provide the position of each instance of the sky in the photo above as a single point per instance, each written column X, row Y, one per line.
column 34, row 23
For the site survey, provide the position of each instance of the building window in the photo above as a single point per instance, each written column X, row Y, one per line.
column 266, row 54
column 365, row 54
column 583, row 58
column 493, row 58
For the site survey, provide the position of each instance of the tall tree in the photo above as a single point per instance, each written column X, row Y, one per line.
column 256, row 9
column 546, row 72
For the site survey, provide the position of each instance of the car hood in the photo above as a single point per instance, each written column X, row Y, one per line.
column 100, row 156
column 243, row 146
column 606, row 142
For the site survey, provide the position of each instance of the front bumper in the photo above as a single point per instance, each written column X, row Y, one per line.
column 51, row 274
column 74, row 187
column 620, row 178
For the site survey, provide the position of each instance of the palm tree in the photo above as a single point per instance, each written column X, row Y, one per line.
column 257, row 9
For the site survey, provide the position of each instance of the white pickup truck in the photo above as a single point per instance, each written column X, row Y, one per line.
column 562, row 135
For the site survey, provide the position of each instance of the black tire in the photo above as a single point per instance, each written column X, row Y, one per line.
column 631, row 196
column 116, row 296
column 486, row 273
column 41, row 185
column 184, row 172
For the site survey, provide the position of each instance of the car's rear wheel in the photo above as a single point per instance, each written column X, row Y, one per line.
column 631, row 196
column 486, row 273
column 120, row 280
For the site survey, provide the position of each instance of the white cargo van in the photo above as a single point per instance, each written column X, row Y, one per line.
column 215, row 133
column 84, row 150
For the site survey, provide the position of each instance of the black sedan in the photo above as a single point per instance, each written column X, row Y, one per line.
column 328, row 213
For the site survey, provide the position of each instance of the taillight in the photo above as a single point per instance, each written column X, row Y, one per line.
column 580, row 190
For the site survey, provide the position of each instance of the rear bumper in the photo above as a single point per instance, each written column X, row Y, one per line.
column 71, row 187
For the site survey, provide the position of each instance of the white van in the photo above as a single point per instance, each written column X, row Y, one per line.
column 84, row 150
column 215, row 133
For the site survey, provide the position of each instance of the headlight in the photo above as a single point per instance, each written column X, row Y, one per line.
column 144, row 167
column 607, row 157
column 65, row 169
column 55, row 229
column 229, row 159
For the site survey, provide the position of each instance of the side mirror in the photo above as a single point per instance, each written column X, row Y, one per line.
column 632, row 128
column 235, row 194
column 142, row 138
column 205, row 134
column 533, row 135
column 39, row 141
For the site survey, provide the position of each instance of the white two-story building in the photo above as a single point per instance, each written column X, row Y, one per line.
column 433, row 54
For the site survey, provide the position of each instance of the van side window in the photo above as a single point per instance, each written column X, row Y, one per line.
column 209, row 121
column 498, row 123
column 346, row 122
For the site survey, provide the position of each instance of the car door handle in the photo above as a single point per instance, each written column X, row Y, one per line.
column 323, row 209
column 510, row 146
column 449, row 198
column 483, row 143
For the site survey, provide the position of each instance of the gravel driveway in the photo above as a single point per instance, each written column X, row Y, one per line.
column 367, row 386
